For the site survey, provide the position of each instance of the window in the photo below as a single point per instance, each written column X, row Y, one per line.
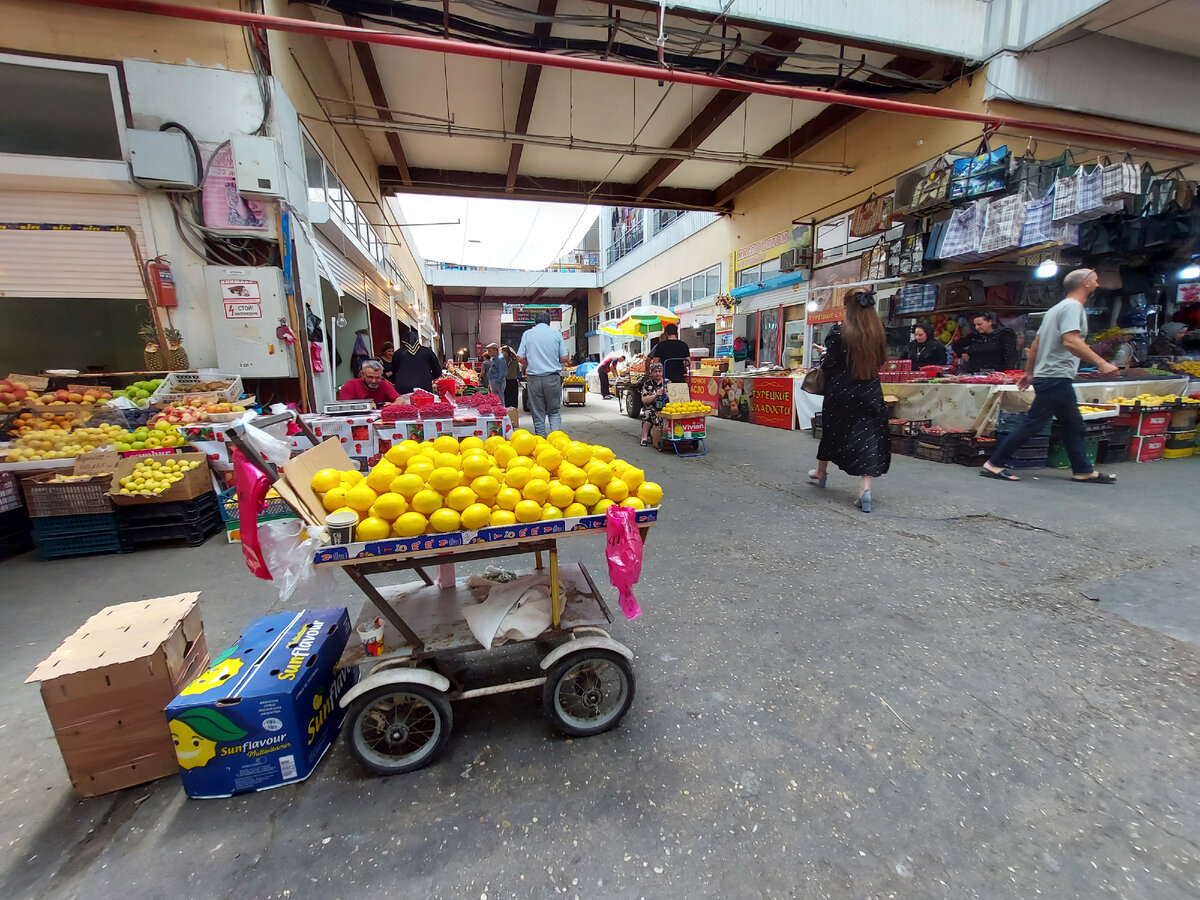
column 60, row 108
column 749, row 275
column 314, row 171
column 713, row 281
column 685, row 291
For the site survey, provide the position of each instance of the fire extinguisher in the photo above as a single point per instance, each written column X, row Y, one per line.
column 163, row 282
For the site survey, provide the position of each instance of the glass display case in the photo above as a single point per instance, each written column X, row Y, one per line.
column 793, row 344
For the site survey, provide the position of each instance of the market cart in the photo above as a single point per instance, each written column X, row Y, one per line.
column 399, row 715
column 684, row 433
column 574, row 393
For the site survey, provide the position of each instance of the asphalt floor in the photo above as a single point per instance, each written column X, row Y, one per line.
column 977, row 690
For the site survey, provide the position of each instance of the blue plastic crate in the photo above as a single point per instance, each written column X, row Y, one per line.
column 65, row 526
column 80, row 545
column 277, row 507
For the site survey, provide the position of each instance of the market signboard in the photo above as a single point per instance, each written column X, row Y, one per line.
column 525, row 314
column 771, row 402
column 703, row 387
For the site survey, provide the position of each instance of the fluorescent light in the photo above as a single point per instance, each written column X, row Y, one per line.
column 1189, row 273
column 813, row 306
column 1046, row 269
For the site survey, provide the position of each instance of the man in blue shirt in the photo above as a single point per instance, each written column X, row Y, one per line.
column 542, row 354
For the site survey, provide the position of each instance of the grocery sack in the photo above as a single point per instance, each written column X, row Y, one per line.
column 1002, row 225
column 252, row 485
column 1038, row 225
column 624, row 554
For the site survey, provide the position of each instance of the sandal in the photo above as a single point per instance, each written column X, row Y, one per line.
column 645, row 442
column 1098, row 478
column 1002, row 475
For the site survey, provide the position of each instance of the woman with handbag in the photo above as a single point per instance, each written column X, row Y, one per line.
column 853, row 414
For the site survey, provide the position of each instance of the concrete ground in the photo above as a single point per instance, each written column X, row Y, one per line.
column 919, row 702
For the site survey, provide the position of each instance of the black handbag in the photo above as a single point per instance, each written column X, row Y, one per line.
column 1101, row 236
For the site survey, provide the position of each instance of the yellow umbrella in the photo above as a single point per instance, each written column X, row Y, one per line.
column 646, row 313
column 623, row 329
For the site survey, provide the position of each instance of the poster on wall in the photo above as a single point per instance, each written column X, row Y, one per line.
column 798, row 237
column 723, row 335
column 224, row 207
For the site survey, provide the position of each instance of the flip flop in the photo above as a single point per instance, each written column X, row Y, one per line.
column 1002, row 475
column 1101, row 478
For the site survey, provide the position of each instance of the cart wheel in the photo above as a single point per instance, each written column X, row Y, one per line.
column 399, row 728
column 588, row 692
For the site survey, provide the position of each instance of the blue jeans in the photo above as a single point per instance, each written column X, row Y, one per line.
column 545, row 401
column 1052, row 398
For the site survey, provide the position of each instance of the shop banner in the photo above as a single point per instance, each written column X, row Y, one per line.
column 771, row 402
column 522, row 314
column 703, row 388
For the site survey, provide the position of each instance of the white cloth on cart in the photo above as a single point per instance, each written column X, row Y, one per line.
column 516, row 611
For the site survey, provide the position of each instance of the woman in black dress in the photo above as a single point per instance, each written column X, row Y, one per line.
column 853, row 415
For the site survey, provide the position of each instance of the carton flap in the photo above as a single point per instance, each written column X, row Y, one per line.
column 97, row 463
column 298, row 474
column 117, row 634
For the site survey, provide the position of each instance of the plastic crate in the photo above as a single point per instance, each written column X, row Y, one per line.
column 939, row 453
column 1057, row 457
column 277, row 507
column 46, row 497
column 903, row 444
column 949, row 439
column 193, row 534
column 974, row 451
column 57, row 537
column 907, row 426
column 178, row 512
column 180, row 385
column 10, row 492
column 1181, row 453
column 14, row 533
column 1010, row 421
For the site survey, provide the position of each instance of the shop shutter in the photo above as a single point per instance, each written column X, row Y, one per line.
column 780, row 296
column 77, row 264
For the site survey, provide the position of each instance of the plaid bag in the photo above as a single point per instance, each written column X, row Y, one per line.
column 1002, row 226
column 964, row 232
column 1124, row 179
column 1089, row 200
column 915, row 298
column 1065, row 192
column 872, row 215
column 1037, row 226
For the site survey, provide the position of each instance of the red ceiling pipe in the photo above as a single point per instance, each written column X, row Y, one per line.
column 629, row 70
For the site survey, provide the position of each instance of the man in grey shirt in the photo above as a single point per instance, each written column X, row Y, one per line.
column 1051, row 366
column 495, row 370
column 542, row 354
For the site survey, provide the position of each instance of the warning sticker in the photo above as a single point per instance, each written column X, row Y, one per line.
column 243, row 311
column 240, row 290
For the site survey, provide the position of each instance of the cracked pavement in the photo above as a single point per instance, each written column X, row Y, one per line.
column 919, row 702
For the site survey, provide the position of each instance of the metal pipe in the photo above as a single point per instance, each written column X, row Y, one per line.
column 629, row 70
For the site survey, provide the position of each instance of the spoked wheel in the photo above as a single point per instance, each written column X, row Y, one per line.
column 399, row 728
column 588, row 692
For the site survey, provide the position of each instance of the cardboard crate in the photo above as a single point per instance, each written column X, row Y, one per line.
column 266, row 712
column 1147, row 448
column 106, row 686
column 194, row 483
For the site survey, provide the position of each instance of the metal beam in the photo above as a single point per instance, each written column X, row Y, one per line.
column 533, row 75
column 808, row 135
column 563, row 190
column 719, row 108
column 366, row 62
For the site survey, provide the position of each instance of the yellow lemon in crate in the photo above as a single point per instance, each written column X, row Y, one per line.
column 443, row 478
column 372, row 529
column 600, row 474
column 429, row 452
column 426, row 501
column 603, row 453
column 389, row 506
column 485, row 486
column 492, row 443
column 561, row 495
column 616, row 490
column 334, row 499
column 508, row 498
column 528, row 511
column 539, row 472
column 460, row 498
column 549, row 458
column 379, row 479
column 420, row 467
column 449, row 461
column 326, row 480
column 571, row 475
column 361, row 497
column 475, row 516
column 519, row 462
column 502, row 517
column 550, row 511
column 523, row 442
column 578, row 454
column 410, row 525
column 400, row 454
column 588, row 494
column 407, row 485
column 445, row 444
column 650, row 493
column 476, row 464
column 536, row 490
column 497, row 473
column 444, row 520
column 503, row 454
column 558, row 439
column 575, row 510
column 351, row 477
column 633, row 502
column 470, row 443
column 517, row 477
column 632, row 477
column 601, row 506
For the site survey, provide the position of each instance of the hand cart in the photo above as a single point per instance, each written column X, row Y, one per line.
column 687, row 429
column 399, row 716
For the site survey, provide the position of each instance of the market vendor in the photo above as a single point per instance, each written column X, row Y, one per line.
column 924, row 349
column 991, row 348
column 414, row 365
column 369, row 385
column 654, row 397
column 1169, row 340
column 495, row 370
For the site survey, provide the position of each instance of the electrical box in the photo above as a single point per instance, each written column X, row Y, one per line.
column 246, row 306
column 161, row 159
column 258, row 166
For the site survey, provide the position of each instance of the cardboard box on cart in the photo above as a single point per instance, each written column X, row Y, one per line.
column 268, row 709
column 106, row 686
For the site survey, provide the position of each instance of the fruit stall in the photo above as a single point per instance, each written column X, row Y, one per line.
column 574, row 388
column 684, row 427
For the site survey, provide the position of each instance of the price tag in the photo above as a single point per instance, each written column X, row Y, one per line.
column 33, row 382
column 678, row 393
column 99, row 462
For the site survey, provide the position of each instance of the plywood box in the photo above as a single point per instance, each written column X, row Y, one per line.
column 106, row 686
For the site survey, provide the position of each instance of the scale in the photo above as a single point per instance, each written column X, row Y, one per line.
column 341, row 407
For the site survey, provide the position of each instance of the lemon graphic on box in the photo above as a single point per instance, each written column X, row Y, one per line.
column 196, row 732
column 226, row 666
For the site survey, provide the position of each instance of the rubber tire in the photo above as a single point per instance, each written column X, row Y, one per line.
column 435, row 699
column 567, row 663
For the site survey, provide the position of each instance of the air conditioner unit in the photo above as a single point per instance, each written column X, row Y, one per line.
column 798, row 258
column 607, row 299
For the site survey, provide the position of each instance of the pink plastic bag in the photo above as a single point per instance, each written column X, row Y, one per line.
column 252, row 485
column 624, row 556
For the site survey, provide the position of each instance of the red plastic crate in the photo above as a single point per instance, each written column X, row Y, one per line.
column 1147, row 448
column 1144, row 423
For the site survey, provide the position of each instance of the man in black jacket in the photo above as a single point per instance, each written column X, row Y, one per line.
column 991, row 348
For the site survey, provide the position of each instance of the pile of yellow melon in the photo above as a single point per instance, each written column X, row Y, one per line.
column 450, row 485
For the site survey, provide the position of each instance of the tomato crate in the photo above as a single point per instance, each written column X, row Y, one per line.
column 949, row 439
column 974, row 451
column 903, row 444
column 939, row 453
column 907, row 426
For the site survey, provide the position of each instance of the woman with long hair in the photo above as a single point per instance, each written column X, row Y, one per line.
column 853, row 416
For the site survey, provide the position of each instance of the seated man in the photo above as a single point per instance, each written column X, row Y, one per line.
column 369, row 385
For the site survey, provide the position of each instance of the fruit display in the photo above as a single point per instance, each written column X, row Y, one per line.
column 449, row 484
column 1186, row 367
column 56, row 436
column 144, row 437
column 16, row 395
column 399, row 412
column 193, row 412
column 689, row 408
column 13, row 394
column 486, row 403
column 574, row 379
column 1088, row 410
column 139, row 392
column 153, row 476
column 1155, row 400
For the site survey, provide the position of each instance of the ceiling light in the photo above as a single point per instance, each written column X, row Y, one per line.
column 1046, row 269
column 1189, row 273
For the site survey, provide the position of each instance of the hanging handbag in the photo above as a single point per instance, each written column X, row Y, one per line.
column 937, row 237
column 960, row 295
column 1002, row 225
column 934, row 188
column 1100, row 236
column 964, row 232
column 1160, row 192
column 1089, row 201
column 873, row 263
column 1031, row 178
column 911, row 255
column 814, row 381
column 1038, row 226
column 1065, row 190
column 916, row 298
column 872, row 216
column 1120, row 180
column 981, row 175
